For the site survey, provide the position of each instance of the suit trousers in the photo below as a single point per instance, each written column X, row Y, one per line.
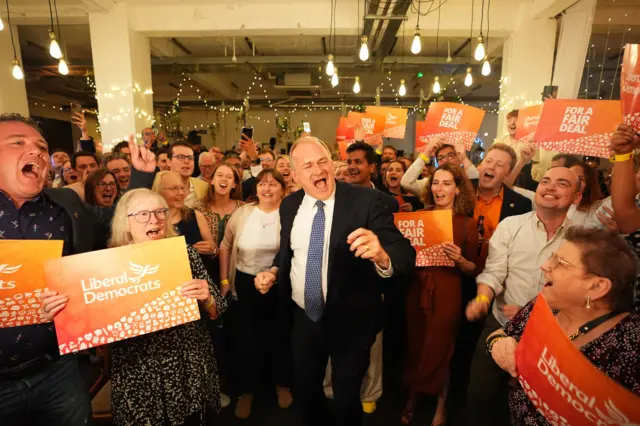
column 371, row 389
column 488, row 392
column 311, row 351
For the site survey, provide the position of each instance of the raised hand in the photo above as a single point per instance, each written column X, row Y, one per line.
column 142, row 159
column 365, row 244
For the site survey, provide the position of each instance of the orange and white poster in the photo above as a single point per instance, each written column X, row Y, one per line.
column 395, row 120
column 560, row 381
column 344, row 136
column 527, row 123
column 454, row 123
column 578, row 126
column 22, row 279
column 427, row 230
column 372, row 124
column 120, row 293
column 630, row 86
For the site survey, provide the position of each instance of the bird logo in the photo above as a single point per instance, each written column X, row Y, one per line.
column 6, row 269
column 391, row 119
column 614, row 415
column 141, row 271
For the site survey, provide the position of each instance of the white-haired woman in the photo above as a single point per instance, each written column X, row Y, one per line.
column 168, row 377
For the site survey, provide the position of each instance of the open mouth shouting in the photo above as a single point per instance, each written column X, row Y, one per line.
column 107, row 197
column 32, row 170
column 439, row 197
column 488, row 176
column 320, row 183
column 393, row 180
column 155, row 233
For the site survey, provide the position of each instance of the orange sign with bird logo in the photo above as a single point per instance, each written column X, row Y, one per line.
column 120, row 293
column 427, row 231
column 22, row 279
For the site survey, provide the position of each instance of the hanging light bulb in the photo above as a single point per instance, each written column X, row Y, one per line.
column 436, row 84
column 468, row 80
column 480, row 52
column 54, row 47
column 234, row 58
column 449, row 51
column 1, row 25
column 334, row 77
column 17, row 70
column 62, row 67
column 356, row 85
column 403, row 89
column 416, row 45
column 330, row 68
column 486, row 67
column 364, row 49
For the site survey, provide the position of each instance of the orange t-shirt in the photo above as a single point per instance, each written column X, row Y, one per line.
column 490, row 213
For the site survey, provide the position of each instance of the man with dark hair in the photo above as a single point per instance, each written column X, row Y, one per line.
column 120, row 166
column 82, row 163
column 122, row 147
column 163, row 159
column 564, row 160
column 389, row 153
column 361, row 162
column 38, row 386
column 182, row 161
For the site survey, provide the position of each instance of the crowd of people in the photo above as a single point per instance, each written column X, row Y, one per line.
column 303, row 280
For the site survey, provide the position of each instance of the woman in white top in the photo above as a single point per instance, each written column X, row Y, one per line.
column 592, row 211
column 251, row 242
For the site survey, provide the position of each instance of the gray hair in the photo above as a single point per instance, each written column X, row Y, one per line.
column 206, row 155
column 120, row 231
column 307, row 139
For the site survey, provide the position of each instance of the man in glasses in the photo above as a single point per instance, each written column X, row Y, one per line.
column 512, row 276
column 182, row 160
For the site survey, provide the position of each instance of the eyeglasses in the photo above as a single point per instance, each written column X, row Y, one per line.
column 188, row 158
column 143, row 216
column 556, row 260
column 449, row 156
column 176, row 189
column 103, row 185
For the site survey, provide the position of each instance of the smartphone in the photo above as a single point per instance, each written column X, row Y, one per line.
column 248, row 132
column 76, row 109
column 306, row 126
column 550, row 92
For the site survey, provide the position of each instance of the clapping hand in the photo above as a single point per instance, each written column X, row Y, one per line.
column 142, row 158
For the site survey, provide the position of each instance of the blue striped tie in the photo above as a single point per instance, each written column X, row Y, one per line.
column 313, row 300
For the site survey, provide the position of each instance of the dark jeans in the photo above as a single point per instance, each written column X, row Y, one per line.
column 488, row 393
column 54, row 396
column 256, row 344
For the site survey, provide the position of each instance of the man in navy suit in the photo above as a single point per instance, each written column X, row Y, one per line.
column 337, row 244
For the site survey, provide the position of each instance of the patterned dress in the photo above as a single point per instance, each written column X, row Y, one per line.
column 634, row 242
column 615, row 353
column 216, row 223
column 168, row 376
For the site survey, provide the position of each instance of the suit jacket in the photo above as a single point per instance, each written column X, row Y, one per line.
column 513, row 203
column 354, row 310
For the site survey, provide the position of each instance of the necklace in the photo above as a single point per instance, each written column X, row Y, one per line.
column 270, row 219
column 592, row 324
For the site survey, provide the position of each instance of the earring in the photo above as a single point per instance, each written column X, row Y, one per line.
column 588, row 302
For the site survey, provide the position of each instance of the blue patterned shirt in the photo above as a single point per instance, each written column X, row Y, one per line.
column 38, row 219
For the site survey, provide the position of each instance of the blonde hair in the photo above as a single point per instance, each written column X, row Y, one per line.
column 307, row 139
column 337, row 165
column 120, row 231
column 284, row 157
column 157, row 188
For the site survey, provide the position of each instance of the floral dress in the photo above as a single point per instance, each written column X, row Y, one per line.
column 634, row 242
column 615, row 353
column 165, row 377
column 216, row 223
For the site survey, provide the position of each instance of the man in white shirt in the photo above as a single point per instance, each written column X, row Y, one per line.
column 512, row 276
column 337, row 243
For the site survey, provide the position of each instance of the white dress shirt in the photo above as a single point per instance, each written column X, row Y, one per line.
column 300, row 236
column 517, row 250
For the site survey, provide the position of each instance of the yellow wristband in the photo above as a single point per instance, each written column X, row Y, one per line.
column 483, row 298
column 622, row 157
column 425, row 158
column 209, row 303
column 224, row 282
column 379, row 151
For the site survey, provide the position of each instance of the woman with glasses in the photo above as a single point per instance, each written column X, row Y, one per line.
column 101, row 188
column 168, row 377
column 434, row 300
column 184, row 220
column 589, row 285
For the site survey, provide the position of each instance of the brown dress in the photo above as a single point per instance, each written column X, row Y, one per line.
column 434, row 309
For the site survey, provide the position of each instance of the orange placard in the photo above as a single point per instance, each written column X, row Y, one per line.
column 372, row 124
column 454, row 123
column 527, row 123
column 395, row 120
column 119, row 293
column 22, row 279
column 344, row 136
column 630, row 86
column 560, row 381
column 578, row 126
column 427, row 230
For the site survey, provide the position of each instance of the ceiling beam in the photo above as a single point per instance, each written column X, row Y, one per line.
column 388, row 39
column 98, row 6
column 374, row 5
column 312, row 60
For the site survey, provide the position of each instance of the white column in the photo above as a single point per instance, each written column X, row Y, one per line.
column 13, row 93
column 122, row 66
column 526, row 66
